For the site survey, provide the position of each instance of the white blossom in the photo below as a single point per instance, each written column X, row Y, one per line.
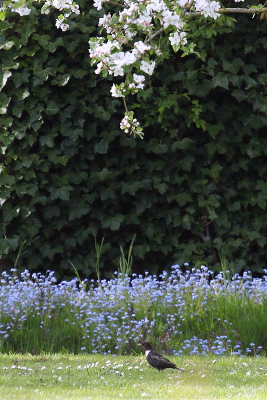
column 208, row 8
column 23, row 10
column 147, row 67
column 98, row 4
column 59, row 4
column 138, row 78
column 60, row 24
column 178, row 38
column 156, row 5
column 171, row 18
column 116, row 92
column 117, row 70
column 141, row 46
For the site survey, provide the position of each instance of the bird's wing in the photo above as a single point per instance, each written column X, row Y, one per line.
column 158, row 361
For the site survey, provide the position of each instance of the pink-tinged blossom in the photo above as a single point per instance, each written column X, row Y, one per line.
column 141, row 47
column 99, row 68
column 98, row 4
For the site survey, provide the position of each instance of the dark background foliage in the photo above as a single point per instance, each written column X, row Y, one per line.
column 194, row 190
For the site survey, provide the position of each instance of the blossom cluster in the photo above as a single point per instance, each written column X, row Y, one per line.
column 130, row 124
column 136, row 36
column 114, row 316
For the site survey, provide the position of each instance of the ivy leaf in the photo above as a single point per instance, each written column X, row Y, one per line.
column 131, row 187
column 161, row 187
column 102, row 175
column 101, row 147
column 47, row 140
column 51, row 107
column 8, row 243
column 182, row 144
column 233, row 66
column 156, row 147
column 108, row 193
column 9, row 212
column 61, row 193
column 78, row 211
column 239, row 94
column 220, row 80
column 183, row 198
column 113, row 222
column 25, row 30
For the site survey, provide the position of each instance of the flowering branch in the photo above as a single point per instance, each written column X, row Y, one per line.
column 130, row 46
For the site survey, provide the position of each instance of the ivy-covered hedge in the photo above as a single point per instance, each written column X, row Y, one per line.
column 193, row 190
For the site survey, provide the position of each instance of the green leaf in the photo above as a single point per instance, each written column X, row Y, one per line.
column 51, row 107
column 7, row 244
column 61, row 80
column 157, row 147
column 108, row 193
column 6, row 180
column 9, row 212
column 131, row 187
column 78, row 211
column 47, row 140
column 25, row 30
column 101, row 147
column 113, row 222
column 127, row 141
column 183, row 198
column 233, row 66
column 220, row 80
column 102, row 175
column 61, row 193
column 182, row 144
column 239, row 94
column 161, row 187
column 186, row 163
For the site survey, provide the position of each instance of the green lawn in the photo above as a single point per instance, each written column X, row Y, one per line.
column 127, row 377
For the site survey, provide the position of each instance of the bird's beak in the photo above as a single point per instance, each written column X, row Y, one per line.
column 139, row 344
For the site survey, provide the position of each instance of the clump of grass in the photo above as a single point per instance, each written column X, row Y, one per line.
column 98, row 251
column 192, row 312
column 125, row 264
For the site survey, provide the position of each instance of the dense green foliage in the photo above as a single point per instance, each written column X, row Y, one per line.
column 193, row 189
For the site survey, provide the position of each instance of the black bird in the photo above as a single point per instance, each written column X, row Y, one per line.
column 155, row 359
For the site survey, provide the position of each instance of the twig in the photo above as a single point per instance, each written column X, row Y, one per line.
column 231, row 11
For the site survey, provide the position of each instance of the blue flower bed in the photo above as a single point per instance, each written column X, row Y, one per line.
column 192, row 312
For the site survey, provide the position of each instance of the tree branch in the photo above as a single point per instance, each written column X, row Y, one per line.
column 232, row 11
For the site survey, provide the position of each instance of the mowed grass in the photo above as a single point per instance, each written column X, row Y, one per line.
column 129, row 377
